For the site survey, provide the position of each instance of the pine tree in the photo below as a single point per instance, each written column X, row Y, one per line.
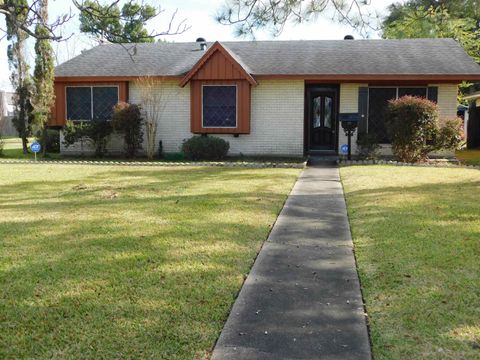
column 43, row 75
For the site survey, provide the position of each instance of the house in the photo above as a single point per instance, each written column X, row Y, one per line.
column 472, row 127
column 7, row 108
column 264, row 97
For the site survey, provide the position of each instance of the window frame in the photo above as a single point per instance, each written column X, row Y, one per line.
column 91, row 98
column 396, row 97
column 236, row 106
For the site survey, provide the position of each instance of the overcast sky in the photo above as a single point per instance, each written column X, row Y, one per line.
column 199, row 15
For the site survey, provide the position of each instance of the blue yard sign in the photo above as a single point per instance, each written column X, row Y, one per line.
column 35, row 147
column 344, row 149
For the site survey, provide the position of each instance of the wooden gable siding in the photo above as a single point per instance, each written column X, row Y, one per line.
column 218, row 67
column 60, row 110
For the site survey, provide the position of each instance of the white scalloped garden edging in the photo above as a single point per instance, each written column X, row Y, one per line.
column 256, row 165
column 441, row 164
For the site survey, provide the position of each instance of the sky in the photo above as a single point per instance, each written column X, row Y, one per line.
column 198, row 14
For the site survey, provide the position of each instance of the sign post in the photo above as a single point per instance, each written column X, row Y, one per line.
column 35, row 147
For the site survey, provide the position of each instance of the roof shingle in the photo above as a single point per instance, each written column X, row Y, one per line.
column 302, row 57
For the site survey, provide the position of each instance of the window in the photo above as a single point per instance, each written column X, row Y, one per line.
column 91, row 102
column 377, row 106
column 219, row 106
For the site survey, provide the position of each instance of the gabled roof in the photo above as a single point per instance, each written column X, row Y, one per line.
column 229, row 56
column 259, row 58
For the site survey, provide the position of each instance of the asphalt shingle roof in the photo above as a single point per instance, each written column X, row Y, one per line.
column 318, row 57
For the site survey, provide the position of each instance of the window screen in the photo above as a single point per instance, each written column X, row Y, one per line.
column 81, row 107
column 377, row 106
column 219, row 106
column 104, row 99
column 79, row 103
column 421, row 92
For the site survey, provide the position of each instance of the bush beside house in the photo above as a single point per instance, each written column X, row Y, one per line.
column 205, row 148
column 413, row 123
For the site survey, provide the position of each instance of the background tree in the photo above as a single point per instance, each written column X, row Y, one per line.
column 20, row 76
column 108, row 22
column 44, row 96
column 249, row 16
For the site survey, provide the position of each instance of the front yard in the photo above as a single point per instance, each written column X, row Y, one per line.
column 127, row 262
column 417, row 238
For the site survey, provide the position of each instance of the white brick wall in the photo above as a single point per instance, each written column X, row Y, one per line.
column 276, row 119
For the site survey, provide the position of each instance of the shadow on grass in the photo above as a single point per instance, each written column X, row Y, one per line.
column 151, row 272
column 418, row 249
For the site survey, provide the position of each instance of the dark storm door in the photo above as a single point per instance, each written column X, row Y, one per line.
column 322, row 120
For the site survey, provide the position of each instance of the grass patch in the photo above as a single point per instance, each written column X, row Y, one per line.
column 469, row 157
column 127, row 262
column 416, row 234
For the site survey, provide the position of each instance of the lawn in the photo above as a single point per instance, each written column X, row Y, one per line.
column 127, row 262
column 469, row 157
column 417, row 242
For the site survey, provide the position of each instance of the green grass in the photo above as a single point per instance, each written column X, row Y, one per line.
column 12, row 149
column 417, row 241
column 127, row 262
column 469, row 157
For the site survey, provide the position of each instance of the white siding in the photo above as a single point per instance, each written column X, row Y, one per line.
column 348, row 104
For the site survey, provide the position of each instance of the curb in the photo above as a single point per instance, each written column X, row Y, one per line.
column 439, row 164
column 256, row 165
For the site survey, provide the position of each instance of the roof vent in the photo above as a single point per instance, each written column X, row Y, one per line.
column 348, row 37
column 202, row 42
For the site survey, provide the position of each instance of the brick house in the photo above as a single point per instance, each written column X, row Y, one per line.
column 264, row 97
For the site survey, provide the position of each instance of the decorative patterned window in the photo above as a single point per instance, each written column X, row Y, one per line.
column 219, row 106
column 90, row 102
column 378, row 98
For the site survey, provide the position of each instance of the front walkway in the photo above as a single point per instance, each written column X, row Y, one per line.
column 302, row 297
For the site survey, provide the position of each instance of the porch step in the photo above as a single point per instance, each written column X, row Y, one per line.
column 322, row 159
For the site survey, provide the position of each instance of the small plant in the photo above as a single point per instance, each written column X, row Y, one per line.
column 51, row 140
column 413, row 126
column 368, row 146
column 95, row 132
column 127, row 118
column 451, row 135
column 205, row 148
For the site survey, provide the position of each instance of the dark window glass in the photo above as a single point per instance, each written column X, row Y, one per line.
column 79, row 103
column 219, row 106
column 104, row 99
column 421, row 92
column 377, row 106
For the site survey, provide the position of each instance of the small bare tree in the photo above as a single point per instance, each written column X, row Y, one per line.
column 153, row 99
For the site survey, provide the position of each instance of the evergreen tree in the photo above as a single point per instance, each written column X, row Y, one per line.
column 43, row 75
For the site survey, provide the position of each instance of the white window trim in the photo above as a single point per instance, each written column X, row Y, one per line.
column 91, row 97
column 236, row 106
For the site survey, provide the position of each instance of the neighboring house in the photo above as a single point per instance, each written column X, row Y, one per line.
column 7, row 107
column 264, row 97
column 473, row 124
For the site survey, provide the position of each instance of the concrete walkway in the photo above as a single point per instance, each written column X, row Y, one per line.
column 302, row 298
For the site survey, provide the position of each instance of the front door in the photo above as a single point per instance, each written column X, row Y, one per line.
column 322, row 123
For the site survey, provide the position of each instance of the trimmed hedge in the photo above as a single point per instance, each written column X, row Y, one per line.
column 205, row 148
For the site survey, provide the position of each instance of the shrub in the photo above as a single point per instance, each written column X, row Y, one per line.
column 51, row 140
column 368, row 146
column 205, row 148
column 451, row 135
column 127, row 118
column 95, row 132
column 413, row 126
